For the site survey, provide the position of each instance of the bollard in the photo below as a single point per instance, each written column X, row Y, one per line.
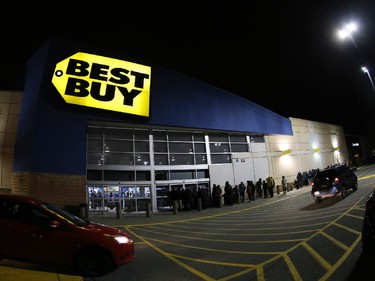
column 221, row 204
column 148, row 209
column 83, row 210
column 175, row 207
column 199, row 204
column 118, row 210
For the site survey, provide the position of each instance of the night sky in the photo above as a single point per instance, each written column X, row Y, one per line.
column 283, row 55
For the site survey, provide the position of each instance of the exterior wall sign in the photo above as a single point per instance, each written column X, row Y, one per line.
column 105, row 83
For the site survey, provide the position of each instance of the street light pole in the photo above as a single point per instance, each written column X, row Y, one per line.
column 365, row 70
column 347, row 31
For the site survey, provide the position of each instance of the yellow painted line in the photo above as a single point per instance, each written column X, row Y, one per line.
column 327, row 266
column 235, row 275
column 336, row 242
column 341, row 260
column 347, row 228
column 242, row 234
column 225, row 241
column 8, row 273
column 189, row 268
column 213, row 262
column 355, row 216
column 260, row 273
column 293, row 270
column 366, row 177
column 213, row 250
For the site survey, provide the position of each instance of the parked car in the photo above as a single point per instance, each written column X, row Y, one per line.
column 36, row 231
column 368, row 227
column 332, row 181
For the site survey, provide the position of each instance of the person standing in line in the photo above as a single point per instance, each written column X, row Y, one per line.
column 236, row 194
column 258, row 186
column 250, row 190
column 216, row 194
column 242, row 188
column 284, row 184
column 265, row 189
column 271, row 185
column 228, row 194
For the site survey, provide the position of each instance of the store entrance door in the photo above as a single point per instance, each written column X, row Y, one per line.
column 131, row 198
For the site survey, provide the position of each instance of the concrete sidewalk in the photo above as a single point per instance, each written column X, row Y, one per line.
column 126, row 219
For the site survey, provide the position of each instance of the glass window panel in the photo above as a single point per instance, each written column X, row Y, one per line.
column 110, row 175
column 118, row 133
column 160, row 135
column 202, row 174
column 141, row 134
column 200, row 147
column 119, row 159
column 239, row 147
column 181, row 159
column 161, row 159
column 161, row 175
column 95, row 132
column 238, row 138
column 118, row 145
column 200, row 159
column 142, row 146
column 180, row 175
column 255, row 138
column 179, row 136
column 143, row 191
column 94, row 175
column 218, row 138
column 198, row 137
column 94, row 145
column 95, row 158
column 220, row 158
column 128, row 191
column 219, row 147
column 142, row 204
column 180, row 147
column 143, row 175
column 130, row 205
column 142, row 159
column 160, row 147
column 162, row 191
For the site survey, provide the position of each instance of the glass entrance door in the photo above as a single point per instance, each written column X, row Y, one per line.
column 131, row 198
column 135, row 198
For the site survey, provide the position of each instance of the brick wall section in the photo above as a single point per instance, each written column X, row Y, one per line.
column 57, row 189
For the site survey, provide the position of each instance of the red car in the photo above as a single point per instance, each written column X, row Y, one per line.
column 35, row 231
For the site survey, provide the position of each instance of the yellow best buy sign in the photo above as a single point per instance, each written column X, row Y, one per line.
column 105, row 83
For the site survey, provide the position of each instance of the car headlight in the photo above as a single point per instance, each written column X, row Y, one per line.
column 122, row 239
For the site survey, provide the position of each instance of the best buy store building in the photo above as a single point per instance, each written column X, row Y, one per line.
column 94, row 124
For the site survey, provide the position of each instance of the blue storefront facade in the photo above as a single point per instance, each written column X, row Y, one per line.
column 71, row 146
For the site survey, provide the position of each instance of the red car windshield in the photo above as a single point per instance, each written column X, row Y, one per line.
column 66, row 215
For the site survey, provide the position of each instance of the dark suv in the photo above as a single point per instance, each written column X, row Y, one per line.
column 332, row 181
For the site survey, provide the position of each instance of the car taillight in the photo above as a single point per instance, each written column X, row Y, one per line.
column 336, row 180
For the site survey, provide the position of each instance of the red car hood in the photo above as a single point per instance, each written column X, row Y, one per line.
column 104, row 229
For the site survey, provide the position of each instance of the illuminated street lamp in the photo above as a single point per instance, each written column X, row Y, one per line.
column 365, row 70
column 347, row 31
